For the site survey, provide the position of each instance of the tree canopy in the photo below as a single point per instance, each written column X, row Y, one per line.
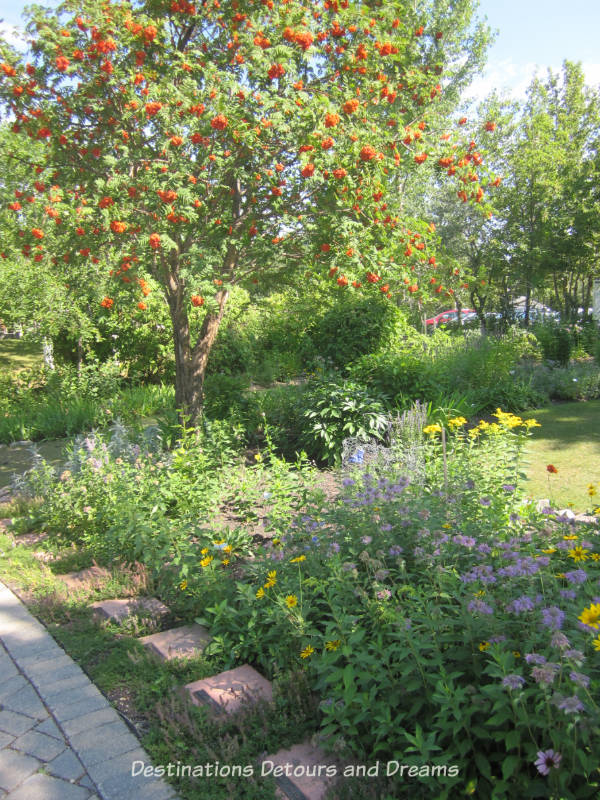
column 194, row 147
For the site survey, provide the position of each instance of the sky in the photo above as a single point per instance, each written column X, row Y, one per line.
column 531, row 34
column 538, row 34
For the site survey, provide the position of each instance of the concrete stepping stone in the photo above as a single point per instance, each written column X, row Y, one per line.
column 227, row 692
column 120, row 609
column 85, row 578
column 301, row 773
column 184, row 642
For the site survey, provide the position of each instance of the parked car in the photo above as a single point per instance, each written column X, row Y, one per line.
column 446, row 317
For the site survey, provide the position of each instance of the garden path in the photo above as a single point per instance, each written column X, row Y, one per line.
column 60, row 739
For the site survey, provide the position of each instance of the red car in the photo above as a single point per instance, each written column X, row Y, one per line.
column 448, row 316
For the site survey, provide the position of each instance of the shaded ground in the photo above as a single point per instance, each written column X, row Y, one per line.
column 19, row 458
column 18, row 354
column 569, row 439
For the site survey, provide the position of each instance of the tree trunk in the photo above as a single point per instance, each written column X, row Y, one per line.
column 190, row 362
column 527, row 304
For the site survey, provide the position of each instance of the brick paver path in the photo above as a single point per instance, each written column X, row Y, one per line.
column 60, row 739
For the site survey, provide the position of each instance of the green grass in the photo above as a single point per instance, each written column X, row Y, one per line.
column 569, row 438
column 19, row 354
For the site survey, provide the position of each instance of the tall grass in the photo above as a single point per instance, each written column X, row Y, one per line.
column 51, row 416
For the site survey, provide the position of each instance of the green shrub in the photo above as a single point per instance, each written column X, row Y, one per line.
column 337, row 410
column 356, row 326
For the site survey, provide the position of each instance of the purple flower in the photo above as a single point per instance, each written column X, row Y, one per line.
column 366, row 539
column 534, row 658
column 483, row 573
column 395, row 550
column 385, row 527
column 485, row 501
column 568, row 594
column 383, row 594
column 479, row 607
column 545, row 674
column 347, row 482
column 553, row 617
column 513, row 681
column 521, row 604
column 559, row 640
column 571, row 705
column 547, row 760
column 466, row 541
column 574, row 655
column 576, row 576
column 580, row 679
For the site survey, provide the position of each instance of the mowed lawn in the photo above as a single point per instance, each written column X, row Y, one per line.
column 569, row 439
column 18, row 354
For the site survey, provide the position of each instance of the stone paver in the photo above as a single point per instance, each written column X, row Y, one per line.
column 228, row 691
column 39, row 745
column 120, row 609
column 183, row 642
column 15, row 767
column 296, row 772
column 60, row 739
column 45, row 787
column 85, row 578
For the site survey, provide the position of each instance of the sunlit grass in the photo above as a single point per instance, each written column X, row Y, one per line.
column 569, row 439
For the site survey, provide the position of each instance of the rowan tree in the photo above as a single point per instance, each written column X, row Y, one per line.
column 202, row 146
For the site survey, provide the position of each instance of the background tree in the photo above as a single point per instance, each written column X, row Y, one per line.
column 204, row 147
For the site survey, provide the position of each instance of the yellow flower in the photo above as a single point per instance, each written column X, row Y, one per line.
column 297, row 559
column 447, row 525
column 532, row 423
column 307, row 652
column 430, row 430
column 291, row 600
column 333, row 645
column 483, row 646
column 258, row 457
column 206, row 561
column 480, row 593
column 596, row 643
column 591, row 616
column 270, row 584
column 595, row 556
column 221, row 541
column 474, row 433
column 272, row 574
column 456, row 422
column 271, row 579
column 483, row 425
column 225, row 561
column 204, row 551
column 228, row 549
column 570, row 538
column 516, row 654
column 592, row 490
column 507, row 419
column 578, row 553
column 260, row 593
column 549, row 551
column 183, row 585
